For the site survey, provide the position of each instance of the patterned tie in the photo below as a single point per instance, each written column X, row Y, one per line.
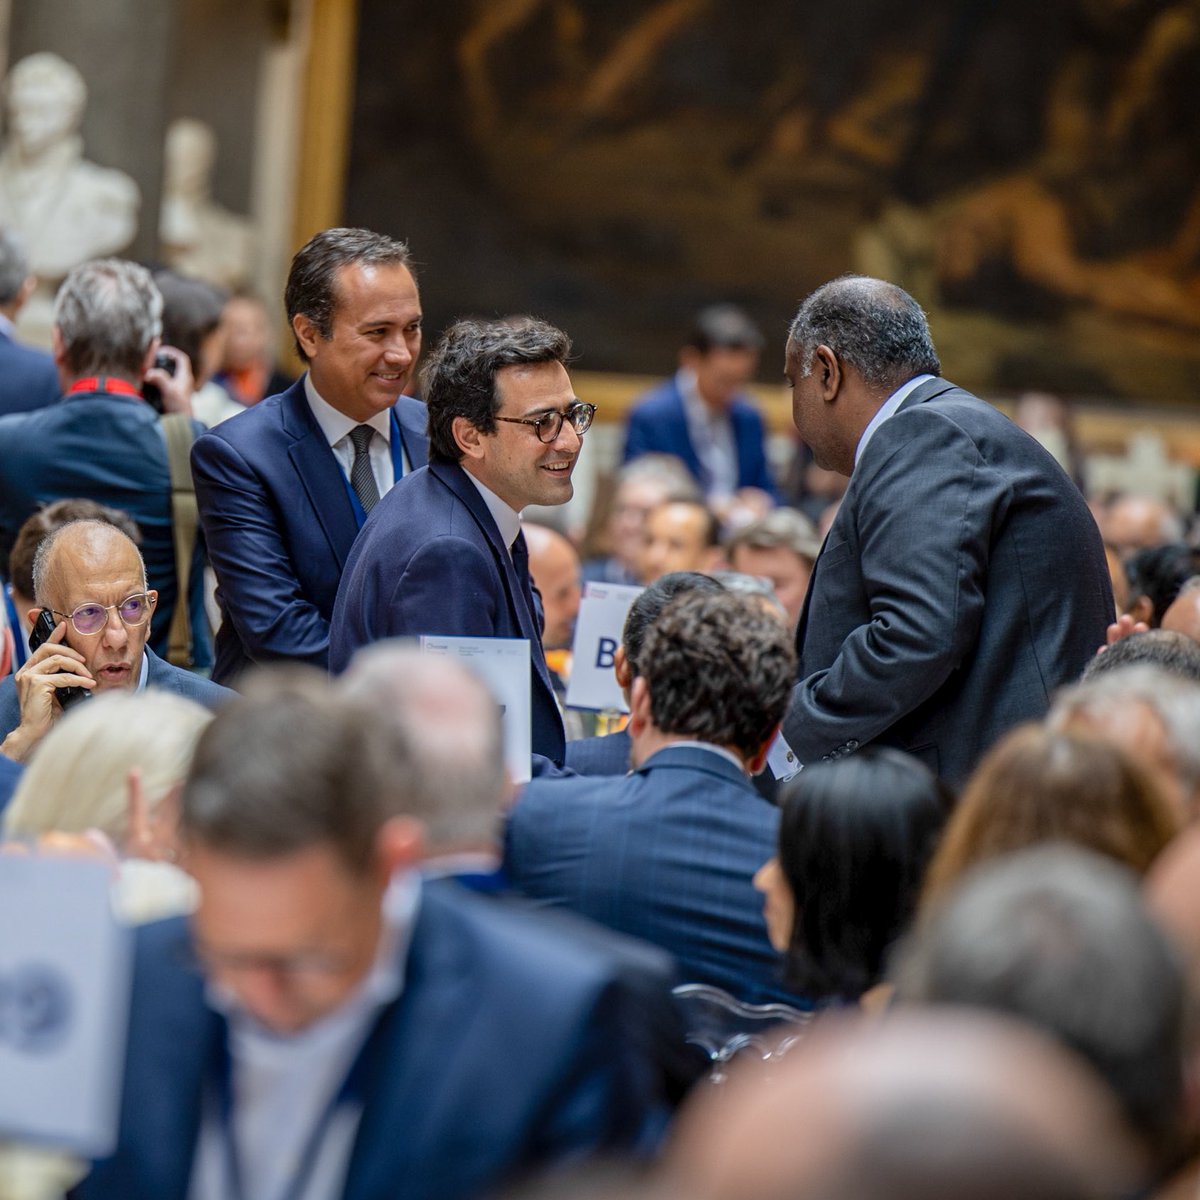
column 362, row 477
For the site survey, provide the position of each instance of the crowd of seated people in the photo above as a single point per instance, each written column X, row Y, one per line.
column 371, row 959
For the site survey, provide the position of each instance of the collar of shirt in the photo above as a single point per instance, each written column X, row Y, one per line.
column 145, row 673
column 888, row 409
column 336, row 425
column 7, row 328
column 507, row 520
column 690, row 744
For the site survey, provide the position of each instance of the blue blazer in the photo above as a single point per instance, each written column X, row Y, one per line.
column 607, row 754
column 159, row 674
column 658, row 425
column 666, row 854
column 279, row 523
column 962, row 581
column 106, row 447
column 505, row 1051
column 431, row 561
column 28, row 378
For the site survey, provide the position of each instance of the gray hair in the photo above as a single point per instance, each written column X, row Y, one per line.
column 742, row 584
column 108, row 313
column 1059, row 937
column 665, row 469
column 875, row 326
column 451, row 722
column 785, row 528
column 1174, row 700
column 43, row 556
column 290, row 765
column 14, row 265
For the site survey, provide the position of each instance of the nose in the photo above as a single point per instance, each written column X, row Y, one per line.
column 568, row 439
column 116, row 633
column 398, row 351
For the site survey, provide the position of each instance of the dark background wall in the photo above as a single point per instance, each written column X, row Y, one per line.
column 1031, row 172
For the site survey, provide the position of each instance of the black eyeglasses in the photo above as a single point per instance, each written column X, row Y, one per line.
column 549, row 425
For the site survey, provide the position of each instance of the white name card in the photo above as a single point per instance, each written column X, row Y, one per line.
column 65, row 972
column 503, row 665
column 598, row 630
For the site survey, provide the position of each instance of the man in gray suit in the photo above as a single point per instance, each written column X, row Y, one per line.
column 963, row 578
column 91, row 580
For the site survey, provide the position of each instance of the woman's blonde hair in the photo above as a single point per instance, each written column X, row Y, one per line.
column 77, row 778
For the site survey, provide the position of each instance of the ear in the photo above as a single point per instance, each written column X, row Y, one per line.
column 621, row 670
column 828, row 371
column 468, row 438
column 58, row 347
column 26, row 291
column 639, row 707
column 306, row 334
column 755, row 762
column 149, row 356
column 399, row 845
column 1142, row 609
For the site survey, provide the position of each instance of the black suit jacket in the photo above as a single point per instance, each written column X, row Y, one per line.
column 962, row 581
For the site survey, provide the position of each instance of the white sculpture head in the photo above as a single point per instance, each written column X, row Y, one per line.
column 190, row 152
column 45, row 97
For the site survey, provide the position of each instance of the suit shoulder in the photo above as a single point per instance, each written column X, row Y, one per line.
column 655, row 402
column 260, row 422
column 515, row 942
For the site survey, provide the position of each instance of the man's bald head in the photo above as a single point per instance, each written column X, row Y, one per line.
column 941, row 1098
column 78, row 551
column 1138, row 522
column 1183, row 615
column 92, row 578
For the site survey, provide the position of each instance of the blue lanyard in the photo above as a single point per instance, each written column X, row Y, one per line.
column 397, row 449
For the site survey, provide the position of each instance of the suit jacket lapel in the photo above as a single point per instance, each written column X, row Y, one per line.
column 455, row 478
column 319, row 473
column 404, row 1091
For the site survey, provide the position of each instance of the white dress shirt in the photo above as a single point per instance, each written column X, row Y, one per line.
column 336, row 427
column 888, row 409
column 508, row 520
column 282, row 1084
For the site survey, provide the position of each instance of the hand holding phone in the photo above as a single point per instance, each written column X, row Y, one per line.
column 42, row 631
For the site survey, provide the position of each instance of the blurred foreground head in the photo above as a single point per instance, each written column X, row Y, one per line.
column 922, row 1106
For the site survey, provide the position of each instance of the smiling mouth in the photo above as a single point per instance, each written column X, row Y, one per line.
column 562, row 468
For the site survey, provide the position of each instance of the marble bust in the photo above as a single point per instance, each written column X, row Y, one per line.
column 199, row 237
column 68, row 210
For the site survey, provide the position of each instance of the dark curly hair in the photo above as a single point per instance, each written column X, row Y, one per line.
column 719, row 668
column 459, row 379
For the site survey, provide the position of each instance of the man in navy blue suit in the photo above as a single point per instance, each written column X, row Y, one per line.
column 284, row 487
column 28, row 377
column 444, row 554
column 102, row 441
column 353, row 1031
column 668, row 852
column 91, row 578
column 702, row 414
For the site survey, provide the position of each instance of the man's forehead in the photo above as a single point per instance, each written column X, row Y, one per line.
column 94, row 563
column 528, row 387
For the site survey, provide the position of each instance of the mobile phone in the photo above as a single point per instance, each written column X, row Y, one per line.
column 43, row 627
column 151, row 392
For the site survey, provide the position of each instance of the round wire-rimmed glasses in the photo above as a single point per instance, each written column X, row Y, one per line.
column 91, row 618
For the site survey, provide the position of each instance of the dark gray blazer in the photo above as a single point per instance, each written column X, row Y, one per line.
column 962, row 581
column 160, row 675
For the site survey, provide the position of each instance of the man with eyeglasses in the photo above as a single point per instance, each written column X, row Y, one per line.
column 90, row 578
column 444, row 553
